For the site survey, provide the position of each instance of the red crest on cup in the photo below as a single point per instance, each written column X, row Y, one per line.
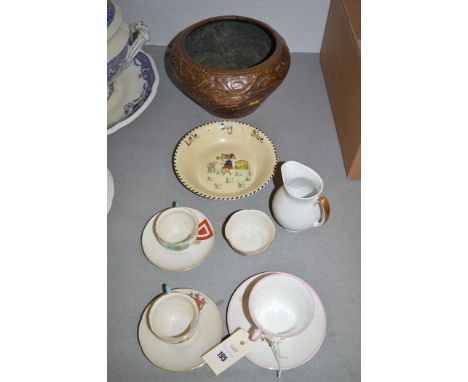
column 204, row 230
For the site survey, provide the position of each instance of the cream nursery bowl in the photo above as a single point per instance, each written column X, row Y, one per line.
column 225, row 160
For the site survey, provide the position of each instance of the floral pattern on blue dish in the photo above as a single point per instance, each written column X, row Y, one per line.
column 148, row 74
column 115, row 65
column 110, row 13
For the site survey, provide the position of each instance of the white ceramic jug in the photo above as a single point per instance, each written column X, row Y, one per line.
column 298, row 204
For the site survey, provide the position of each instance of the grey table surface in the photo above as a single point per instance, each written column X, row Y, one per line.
column 298, row 119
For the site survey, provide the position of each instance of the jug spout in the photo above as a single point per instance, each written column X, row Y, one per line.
column 300, row 181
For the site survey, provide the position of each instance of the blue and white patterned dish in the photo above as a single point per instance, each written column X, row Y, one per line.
column 110, row 12
column 133, row 91
column 115, row 65
column 135, row 36
column 110, row 90
column 114, row 18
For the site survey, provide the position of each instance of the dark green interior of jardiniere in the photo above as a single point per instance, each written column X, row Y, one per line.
column 229, row 45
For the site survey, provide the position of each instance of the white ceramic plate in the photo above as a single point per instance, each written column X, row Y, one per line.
column 133, row 91
column 297, row 350
column 185, row 356
column 176, row 261
column 225, row 160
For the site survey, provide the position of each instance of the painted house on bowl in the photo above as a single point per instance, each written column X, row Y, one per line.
column 241, row 165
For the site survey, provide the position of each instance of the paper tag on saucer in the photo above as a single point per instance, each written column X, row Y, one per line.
column 228, row 352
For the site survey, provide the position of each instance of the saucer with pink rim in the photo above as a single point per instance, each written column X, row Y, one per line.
column 294, row 351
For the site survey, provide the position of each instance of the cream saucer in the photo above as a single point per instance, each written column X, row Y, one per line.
column 176, row 261
column 294, row 351
column 185, row 356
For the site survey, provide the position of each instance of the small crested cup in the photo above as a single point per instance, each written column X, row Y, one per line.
column 173, row 317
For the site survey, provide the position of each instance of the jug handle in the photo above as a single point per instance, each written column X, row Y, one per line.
column 324, row 210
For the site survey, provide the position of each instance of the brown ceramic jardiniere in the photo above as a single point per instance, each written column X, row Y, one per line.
column 229, row 64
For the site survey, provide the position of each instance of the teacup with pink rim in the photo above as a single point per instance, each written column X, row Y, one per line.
column 281, row 305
